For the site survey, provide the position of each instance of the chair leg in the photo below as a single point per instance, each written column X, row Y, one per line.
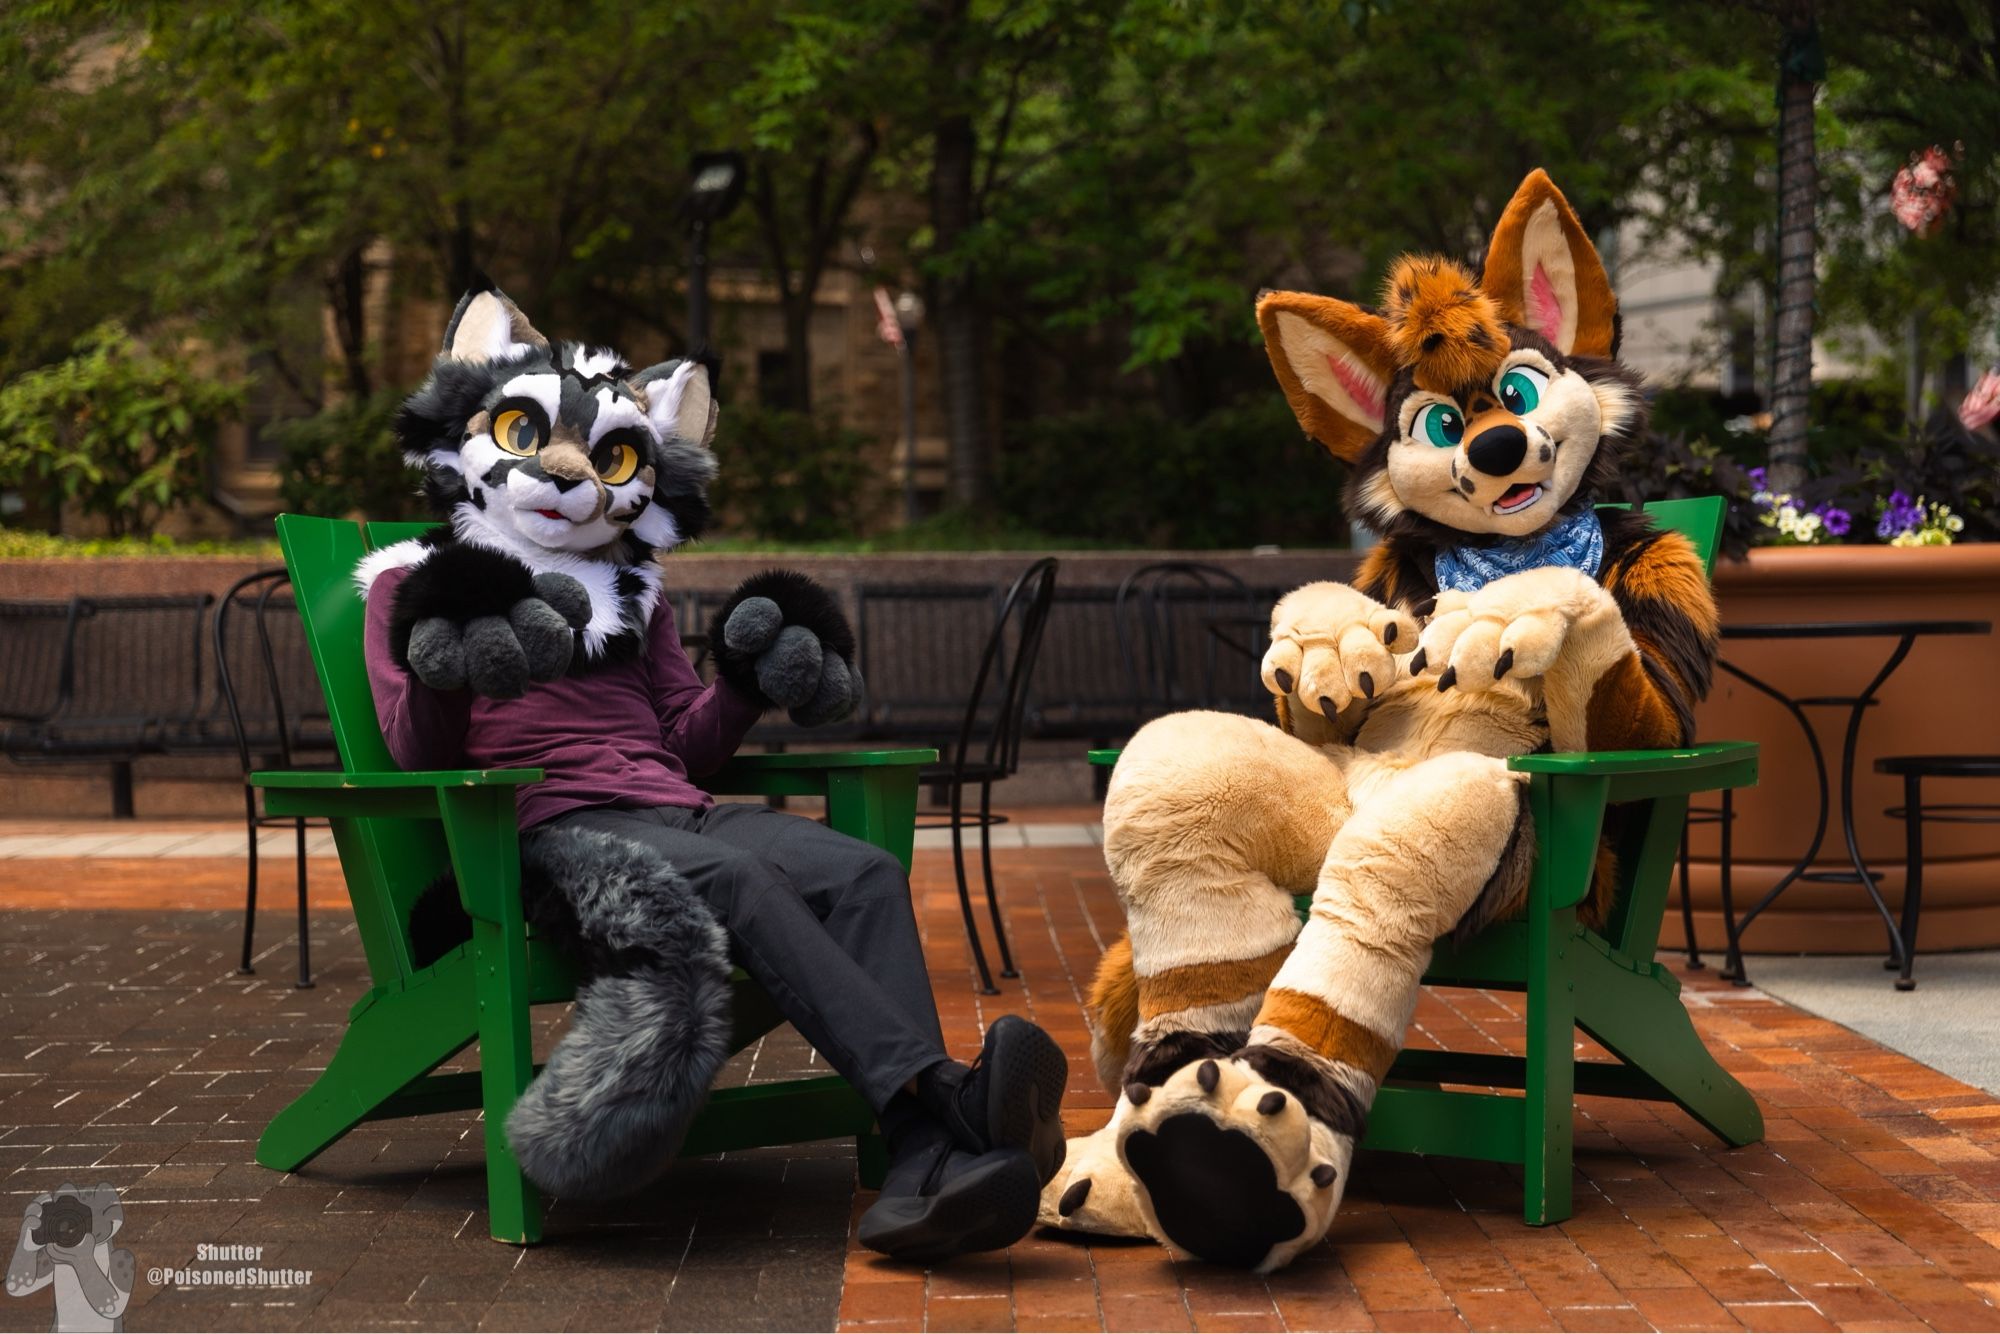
column 305, row 939
column 1640, row 1019
column 506, row 1065
column 250, row 887
column 1687, row 906
column 1732, row 959
column 986, row 986
column 1550, row 1123
column 1913, row 875
column 1007, row 968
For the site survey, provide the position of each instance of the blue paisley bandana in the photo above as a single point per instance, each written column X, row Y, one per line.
column 1577, row 542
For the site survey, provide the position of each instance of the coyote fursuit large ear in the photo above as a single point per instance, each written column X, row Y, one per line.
column 1334, row 362
column 487, row 326
column 1545, row 275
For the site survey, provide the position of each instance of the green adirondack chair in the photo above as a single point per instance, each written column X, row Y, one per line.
column 397, row 831
column 1606, row 983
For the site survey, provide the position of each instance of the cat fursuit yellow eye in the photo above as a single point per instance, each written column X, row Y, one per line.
column 619, row 467
column 517, row 433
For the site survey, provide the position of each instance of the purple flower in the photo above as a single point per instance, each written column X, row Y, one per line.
column 1756, row 476
column 1836, row 520
column 1900, row 514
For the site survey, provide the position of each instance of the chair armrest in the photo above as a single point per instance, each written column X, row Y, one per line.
column 325, row 778
column 805, row 773
column 1105, row 759
column 1632, row 775
column 293, row 792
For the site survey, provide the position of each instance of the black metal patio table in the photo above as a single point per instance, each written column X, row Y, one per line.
column 1906, row 634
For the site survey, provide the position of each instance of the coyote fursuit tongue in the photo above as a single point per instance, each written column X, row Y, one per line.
column 1481, row 418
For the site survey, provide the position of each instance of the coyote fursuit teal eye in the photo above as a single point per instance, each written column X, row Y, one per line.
column 1521, row 389
column 1441, row 424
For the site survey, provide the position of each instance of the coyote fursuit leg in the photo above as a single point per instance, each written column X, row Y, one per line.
column 1243, row 1159
column 1212, row 824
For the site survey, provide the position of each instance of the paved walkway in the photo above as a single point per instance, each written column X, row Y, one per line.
column 133, row 1054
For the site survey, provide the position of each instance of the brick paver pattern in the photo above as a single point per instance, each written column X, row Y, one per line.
column 132, row 1053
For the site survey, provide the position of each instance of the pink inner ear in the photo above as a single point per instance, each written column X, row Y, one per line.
column 1544, row 310
column 1360, row 385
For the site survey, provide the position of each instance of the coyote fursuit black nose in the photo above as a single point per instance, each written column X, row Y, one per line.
column 1497, row 450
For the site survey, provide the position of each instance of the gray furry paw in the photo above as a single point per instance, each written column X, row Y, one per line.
column 783, row 640
column 470, row 619
column 494, row 656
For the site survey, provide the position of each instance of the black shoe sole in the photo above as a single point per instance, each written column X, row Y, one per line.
column 1026, row 1074
column 989, row 1207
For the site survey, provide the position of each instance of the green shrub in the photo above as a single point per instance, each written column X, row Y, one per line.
column 1239, row 477
column 787, row 477
column 345, row 460
column 119, row 430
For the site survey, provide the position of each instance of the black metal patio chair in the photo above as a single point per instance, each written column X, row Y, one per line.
column 995, row 731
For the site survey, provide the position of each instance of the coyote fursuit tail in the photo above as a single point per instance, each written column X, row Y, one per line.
column 1501, row 614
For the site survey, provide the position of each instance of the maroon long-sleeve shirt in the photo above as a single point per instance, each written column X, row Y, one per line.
column 636, row 733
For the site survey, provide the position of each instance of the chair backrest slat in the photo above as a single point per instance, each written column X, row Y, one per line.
column 387, row 863
column 1697, row 518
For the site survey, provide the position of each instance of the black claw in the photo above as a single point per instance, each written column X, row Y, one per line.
column 1505, row 664
column 1324, row 1175
column 1367, row 685
column 1389, row 633
column 1448, row 678
column 1417, row 663
column 1284, row 680
column 1271, row 1103
column 1326, row 706
column 1073, row 1198
column 1137, row 1093
column 1208, row 1074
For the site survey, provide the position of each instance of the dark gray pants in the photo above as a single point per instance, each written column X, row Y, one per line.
column 821, row 920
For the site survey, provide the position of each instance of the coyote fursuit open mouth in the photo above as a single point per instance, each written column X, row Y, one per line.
column 552, row 514
column 1517, row 498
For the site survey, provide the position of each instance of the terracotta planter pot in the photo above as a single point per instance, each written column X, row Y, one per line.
column 1940, row 700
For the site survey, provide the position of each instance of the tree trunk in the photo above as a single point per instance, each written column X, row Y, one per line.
column 798, row 308
column 960, row 328
column 1801, row 68
column 347, row 294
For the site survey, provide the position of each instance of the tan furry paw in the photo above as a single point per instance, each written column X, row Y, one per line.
column 1093, row 1192
column 1513, row 629
column 1332, row 645
column 1230, row 1168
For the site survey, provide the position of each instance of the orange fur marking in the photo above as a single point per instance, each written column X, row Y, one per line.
column 1626, row 711
column 1327, row 1031
column 1114, row 1003
column 1197, row 984
column 1669, row 571
column 1442, row 324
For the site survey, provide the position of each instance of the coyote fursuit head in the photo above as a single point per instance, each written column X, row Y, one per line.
column 1480, row 418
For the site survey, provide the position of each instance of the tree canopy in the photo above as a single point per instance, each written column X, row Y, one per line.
column 1089, row 190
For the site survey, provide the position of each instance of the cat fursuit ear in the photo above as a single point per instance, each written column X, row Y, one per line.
column 1334, row 360
column 679, row 401
column 1544, row 273
column 487, row 327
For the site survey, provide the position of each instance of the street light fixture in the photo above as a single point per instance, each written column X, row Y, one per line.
column 715, row 188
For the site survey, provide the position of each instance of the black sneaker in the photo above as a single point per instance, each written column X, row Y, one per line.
column 1010, row 1097
column 939, row 1202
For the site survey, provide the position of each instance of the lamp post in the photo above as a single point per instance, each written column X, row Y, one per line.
column 909, row 318
column 715, row 188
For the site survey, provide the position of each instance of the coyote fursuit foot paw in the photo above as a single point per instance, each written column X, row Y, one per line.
column 1231, row 1168
column 1093, row 1192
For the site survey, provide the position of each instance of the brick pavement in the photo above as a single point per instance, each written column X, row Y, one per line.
column 132, row 1053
